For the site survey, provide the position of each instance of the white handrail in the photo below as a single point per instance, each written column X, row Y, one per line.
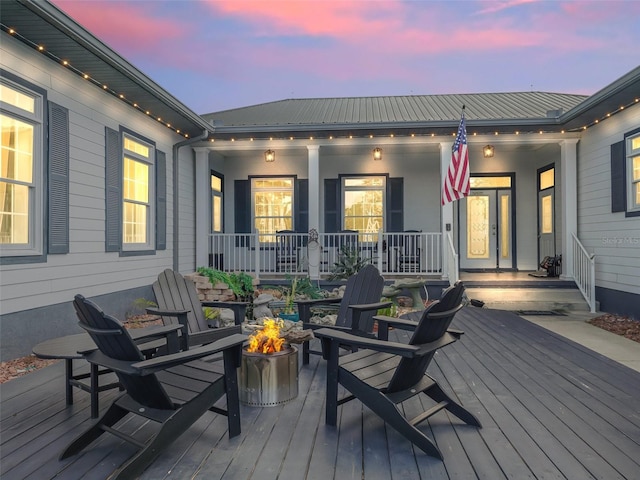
column 453, row 269
column 584, row 272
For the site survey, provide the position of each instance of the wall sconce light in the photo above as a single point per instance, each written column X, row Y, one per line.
column 487, row 151
column 377, row 153
column 269, row 156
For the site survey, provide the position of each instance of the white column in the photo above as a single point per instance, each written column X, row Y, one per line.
column 446, row 211
column 314, row 206
column 568, row 202
column 314, row 186
column 203, row 206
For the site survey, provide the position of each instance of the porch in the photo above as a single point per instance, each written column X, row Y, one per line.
column 550, row 408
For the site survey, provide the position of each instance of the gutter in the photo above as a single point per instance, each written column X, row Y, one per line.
column 176, row 191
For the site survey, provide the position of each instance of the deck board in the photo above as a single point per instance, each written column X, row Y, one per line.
column 549, row 407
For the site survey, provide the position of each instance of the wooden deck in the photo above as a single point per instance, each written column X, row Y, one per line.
column 550, row 408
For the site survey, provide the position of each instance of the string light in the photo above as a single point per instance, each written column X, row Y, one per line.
column 84, row 75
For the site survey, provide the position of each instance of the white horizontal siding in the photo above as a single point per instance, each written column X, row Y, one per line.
column 612, row 237
column 87, row 268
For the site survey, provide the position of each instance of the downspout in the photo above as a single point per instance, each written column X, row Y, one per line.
column 176, row 209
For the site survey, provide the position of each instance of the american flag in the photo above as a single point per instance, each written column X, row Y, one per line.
column 456, row 183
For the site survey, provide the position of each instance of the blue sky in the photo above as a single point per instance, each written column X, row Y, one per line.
column 220, row 54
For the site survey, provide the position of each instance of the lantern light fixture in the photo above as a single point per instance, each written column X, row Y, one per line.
column 487, row 151
column 377, row 153
column 269, row 156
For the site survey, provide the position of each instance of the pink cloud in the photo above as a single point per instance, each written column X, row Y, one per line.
column 129, row 27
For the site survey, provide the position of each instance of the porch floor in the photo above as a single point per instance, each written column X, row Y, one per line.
column 550, row 408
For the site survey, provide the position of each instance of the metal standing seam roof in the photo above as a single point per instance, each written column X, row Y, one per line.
column 397, row 109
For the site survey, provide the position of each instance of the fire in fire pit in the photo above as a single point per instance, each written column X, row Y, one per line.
column 269, row 368
column 268, row 339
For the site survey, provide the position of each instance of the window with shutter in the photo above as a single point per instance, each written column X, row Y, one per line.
column 22, row 180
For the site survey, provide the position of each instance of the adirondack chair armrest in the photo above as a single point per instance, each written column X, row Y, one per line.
column 455, row 332
column 147, row 333
column 166, row 313
column 385, row 323
column 213, row 334
column 304, row 306
column 443, row 341
column 329, row 335
column 165, row 335
column 358, row 309
column 239, row 309
column 235, row 341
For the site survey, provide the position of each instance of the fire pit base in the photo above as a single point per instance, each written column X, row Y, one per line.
column 268, row 380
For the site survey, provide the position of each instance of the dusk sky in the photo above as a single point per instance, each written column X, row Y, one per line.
column 220, row 54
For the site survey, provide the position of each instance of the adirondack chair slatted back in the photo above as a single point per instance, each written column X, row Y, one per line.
column 114, row 341
column 362, row 288
column 174, row 292
column 433, row 324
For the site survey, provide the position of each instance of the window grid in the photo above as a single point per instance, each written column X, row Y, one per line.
column 364, row 199
column 137, row 191
column 272, row 206
column 21, row 210
column 633, row 169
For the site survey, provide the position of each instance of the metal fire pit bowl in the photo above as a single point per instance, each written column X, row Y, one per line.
column 268, row 380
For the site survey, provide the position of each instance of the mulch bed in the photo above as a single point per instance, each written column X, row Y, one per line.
column 620, row 325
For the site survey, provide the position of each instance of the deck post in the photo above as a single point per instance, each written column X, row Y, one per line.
column 446, row 211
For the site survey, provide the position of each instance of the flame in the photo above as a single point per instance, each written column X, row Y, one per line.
column 268, row 339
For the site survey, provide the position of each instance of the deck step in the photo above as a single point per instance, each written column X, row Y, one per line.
column 532, row 299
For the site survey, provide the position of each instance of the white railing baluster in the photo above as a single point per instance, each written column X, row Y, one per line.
column 584, row 266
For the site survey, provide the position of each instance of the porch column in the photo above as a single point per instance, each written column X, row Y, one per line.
column 202, row 177
column 446, row 211
column 569, row 202
column 314, row 206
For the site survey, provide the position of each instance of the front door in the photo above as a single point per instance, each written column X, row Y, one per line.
column 485, row 230
column 546, row 214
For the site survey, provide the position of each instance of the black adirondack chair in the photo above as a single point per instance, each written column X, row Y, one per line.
column 286, row 251
column 408, row 252
column 360, row 302
column 178, row 302
column 384, row 374
column 173, row 390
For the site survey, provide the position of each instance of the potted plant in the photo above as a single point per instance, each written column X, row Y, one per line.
column 289, row 312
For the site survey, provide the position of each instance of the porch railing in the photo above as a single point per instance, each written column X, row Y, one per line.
column 452, row 265
column 584, row 272
column 394, row 253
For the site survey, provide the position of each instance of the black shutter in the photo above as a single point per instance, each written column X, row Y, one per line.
column 58, row 179
column 242, row 206
column 302, row 206
column 161, row 200
column 618, row 178
column 332, row 205
column 395, row 205
column 113, row 190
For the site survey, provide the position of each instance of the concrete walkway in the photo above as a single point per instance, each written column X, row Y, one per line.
column 575, row 327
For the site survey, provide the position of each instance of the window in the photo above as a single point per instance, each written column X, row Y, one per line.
column 272, row 206
column 633, row 173
column 21, row 187
column 364, row 200
column 216, row 203
column 138, row 190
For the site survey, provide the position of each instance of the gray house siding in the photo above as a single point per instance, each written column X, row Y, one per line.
column 611, row 236
column 35, row 297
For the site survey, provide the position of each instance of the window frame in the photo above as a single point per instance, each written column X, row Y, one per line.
column 632, row 185
column 269, row 237
column 35, row 247
column 150, row 161
column 344, row 189
column 217, row 194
